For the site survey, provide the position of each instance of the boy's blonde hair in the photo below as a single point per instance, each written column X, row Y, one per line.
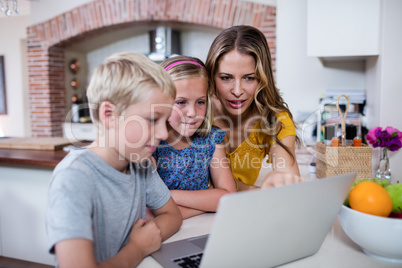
column 185, row 67
column 123, row 79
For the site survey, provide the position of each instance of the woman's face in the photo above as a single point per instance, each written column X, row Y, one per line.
column 236, row 82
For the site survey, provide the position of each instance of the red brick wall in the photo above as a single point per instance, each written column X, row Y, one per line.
column 47, row 41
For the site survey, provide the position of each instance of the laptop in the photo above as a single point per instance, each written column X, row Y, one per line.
column 265, row 227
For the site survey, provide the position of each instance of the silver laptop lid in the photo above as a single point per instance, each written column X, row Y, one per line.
column 269, row 227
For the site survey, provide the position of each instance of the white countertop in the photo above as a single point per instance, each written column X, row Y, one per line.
column 337, row 251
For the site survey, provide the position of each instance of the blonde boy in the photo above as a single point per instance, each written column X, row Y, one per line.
column 98, row 195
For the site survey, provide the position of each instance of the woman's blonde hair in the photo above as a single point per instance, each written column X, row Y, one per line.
column 185, row 67
column 123, row 79
column 251, row 41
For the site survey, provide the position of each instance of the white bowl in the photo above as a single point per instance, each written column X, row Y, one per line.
column 379, row 237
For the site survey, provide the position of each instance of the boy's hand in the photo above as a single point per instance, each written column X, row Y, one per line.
column 280, row 178
column 146, row 236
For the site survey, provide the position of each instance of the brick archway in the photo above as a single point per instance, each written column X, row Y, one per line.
column 48, row 40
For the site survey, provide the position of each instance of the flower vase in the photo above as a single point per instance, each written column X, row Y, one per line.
column 383, row 170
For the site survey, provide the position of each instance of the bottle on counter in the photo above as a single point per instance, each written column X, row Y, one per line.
column 75, row 108
column 357, row 141
column 84, row 111
column 329, row 133
column 336, row 140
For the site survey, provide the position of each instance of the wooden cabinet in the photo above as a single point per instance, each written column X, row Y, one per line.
column 343, row 28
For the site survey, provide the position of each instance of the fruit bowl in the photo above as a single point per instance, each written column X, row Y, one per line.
column 379, row 237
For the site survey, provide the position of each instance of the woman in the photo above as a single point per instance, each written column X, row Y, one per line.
column 249, row 108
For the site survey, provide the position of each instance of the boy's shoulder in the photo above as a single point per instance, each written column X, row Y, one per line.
column 76, row 157
column 75, row 173
column 83, row 162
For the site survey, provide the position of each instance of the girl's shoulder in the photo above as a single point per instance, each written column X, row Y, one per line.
column 216, row 131
column 162, row 149
column 215, row 136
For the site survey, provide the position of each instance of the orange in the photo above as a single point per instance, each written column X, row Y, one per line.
column 371, row 198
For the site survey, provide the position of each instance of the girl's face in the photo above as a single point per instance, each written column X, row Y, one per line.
column 189, row 107
column 236, row 83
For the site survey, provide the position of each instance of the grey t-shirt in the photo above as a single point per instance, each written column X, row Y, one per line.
column 89, row 199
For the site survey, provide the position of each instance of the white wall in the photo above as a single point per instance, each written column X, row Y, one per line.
column 303, row 79
column 138, row 43
column 12, row 47
column 197, row 42
column 391, row 76
column 391, row 60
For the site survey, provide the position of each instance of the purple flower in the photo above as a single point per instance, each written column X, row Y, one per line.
column 394, row 132
column 373, row 135
column 395, row 145
column 390, row 138
column 391, row 130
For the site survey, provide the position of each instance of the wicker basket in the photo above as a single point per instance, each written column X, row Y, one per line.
column 332, row 161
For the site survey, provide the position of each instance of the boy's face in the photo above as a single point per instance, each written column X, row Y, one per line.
column 143, row 126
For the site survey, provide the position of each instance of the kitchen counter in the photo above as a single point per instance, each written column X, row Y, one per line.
column 35, row 151
column 46, row 158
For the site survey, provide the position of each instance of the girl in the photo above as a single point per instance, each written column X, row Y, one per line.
column 192, row 154
column 250, row 108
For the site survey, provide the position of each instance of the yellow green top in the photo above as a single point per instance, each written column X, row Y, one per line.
column 246, row 160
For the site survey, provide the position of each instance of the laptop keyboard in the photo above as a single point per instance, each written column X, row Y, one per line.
column 192, row 261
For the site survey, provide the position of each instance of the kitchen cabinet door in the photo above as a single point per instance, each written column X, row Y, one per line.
column 343, row 28
column 23, row 203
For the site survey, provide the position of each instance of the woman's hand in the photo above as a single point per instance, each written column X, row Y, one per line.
column 285, row 168
column 280, row 178
column 241, row 186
